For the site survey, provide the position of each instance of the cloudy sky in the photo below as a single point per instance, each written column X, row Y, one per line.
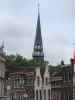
column 18, row 27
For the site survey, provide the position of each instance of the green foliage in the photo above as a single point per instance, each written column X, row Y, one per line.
column 53, row 69
column 20, row 61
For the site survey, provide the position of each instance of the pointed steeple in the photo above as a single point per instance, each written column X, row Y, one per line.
column 2, row 53
column 38, row 39
column 38, row 45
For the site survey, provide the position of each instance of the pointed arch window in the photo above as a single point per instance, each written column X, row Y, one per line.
column 38, row 80
column 49, row 94
column 46, row 81
column 40, row 95
column 44, row 94
column 36, row 94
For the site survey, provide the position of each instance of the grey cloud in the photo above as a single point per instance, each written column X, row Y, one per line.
column 19, row 46
column 69, row 7
column 14, row 7
column 57, row 53
column 17, row 34
column 57, row 38
column 16, row 28
column 18, row 31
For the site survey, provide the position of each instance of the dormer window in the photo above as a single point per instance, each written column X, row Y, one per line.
column 35, row 47
column 38, row 53
column 39, row 47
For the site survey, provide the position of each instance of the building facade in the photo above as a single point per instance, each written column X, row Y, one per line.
column 42, row 86
column 20, row 83
column 62, row 84
column 28, row 84
column 31, row 84
column 2, row 74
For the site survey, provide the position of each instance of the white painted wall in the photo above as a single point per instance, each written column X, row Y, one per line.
column 43, row 86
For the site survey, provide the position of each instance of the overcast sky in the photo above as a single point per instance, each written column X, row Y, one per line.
column 18, row 26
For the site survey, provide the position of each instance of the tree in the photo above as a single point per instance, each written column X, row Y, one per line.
column 20, row 61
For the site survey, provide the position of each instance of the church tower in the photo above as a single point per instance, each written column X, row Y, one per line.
column 38, row 45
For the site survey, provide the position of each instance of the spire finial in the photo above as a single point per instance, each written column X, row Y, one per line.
column 38, row 6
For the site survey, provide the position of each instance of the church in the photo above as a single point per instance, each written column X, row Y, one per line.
column 51, row 83
column 30, row 83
